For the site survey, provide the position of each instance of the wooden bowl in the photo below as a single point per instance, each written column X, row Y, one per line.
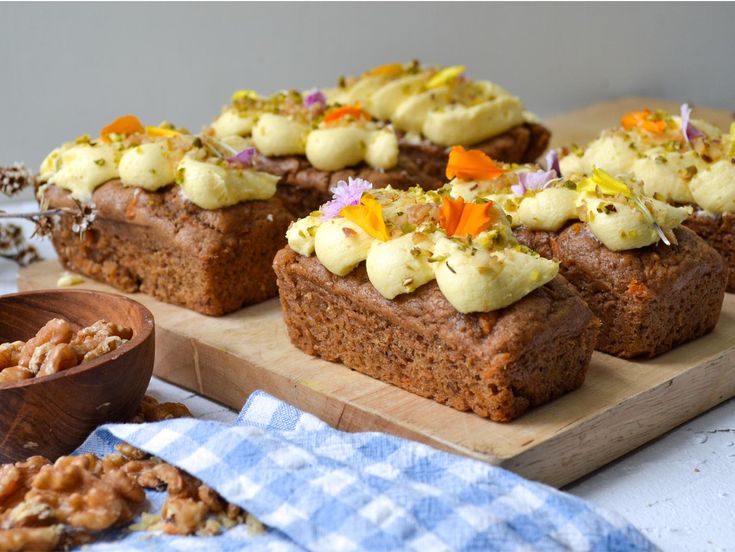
column 53, row 415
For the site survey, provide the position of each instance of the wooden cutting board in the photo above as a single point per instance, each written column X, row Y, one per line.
column 621, row 405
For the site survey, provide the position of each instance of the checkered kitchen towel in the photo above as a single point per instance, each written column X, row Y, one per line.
column 316, row 488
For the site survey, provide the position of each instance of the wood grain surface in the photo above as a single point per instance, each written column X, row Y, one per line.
column 621, row 406
column 51, row 416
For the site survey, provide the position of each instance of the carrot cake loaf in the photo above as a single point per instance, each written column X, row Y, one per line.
column 653, row 283
column 435, row 296
column 181, row 217
column 391, row 126
column 681, row 161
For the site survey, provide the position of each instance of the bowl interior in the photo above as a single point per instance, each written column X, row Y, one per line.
column 23, row 314
column 52, row 415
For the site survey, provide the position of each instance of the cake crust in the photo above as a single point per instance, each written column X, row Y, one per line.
column 649, row 299
column 210, row 261
column 719, row 232
column 304, row 188
column 497, row 364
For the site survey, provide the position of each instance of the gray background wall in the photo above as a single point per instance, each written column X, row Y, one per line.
column 66, row 69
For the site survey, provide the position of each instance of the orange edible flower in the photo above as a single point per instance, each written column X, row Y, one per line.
column 368, row 216
column 127, row 124
column 458, row 218
column 387, row 69
column 471, row 165
column 354, row 111
column 640, row 119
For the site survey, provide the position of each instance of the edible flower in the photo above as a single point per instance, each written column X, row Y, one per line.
column 314, row 97
column 354, row 111
column 127, row 124
column 606, row 184
column 688, row 129
column 471, row 165
column 642, row 119
column 386, row 69
column 534, row 181
column 244, row 95
column 368, row 215
column 345, row 194
column 458, row 218
column 161, row 132
column 552, row 162
column 245, row 157
column 445, row 76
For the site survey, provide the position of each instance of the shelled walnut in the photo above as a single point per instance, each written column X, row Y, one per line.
column 44, row 506
column 57, row 347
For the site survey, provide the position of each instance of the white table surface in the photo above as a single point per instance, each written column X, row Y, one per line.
column 679, row 489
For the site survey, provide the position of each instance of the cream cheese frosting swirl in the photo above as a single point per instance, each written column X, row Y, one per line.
column 409, row 238
column 673, row 167
column 153, row 158
column 358, row 120
column 616, row 211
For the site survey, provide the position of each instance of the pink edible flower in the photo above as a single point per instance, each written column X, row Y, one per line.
column 533, row 181
column 314, row 97
column 552, row 162
column 345, row 194
column 245, row 157
column 687, row 129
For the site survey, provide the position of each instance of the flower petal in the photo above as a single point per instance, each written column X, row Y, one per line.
column 688, row 129
column 345, row 194
column 245, row 157
column 537, row 180
column 368, row 215
column 552, row 162
column 458, row 218
column 471, row 165
column 315, row 97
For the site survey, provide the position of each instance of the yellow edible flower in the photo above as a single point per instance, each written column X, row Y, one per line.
column 368, row 216
column 606, row 184
column 445, row 76
column 162, row 132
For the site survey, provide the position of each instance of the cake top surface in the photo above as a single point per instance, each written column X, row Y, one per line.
column 616, row 210
column 210, row 172
column 408, row 238
column 679, row 160
column 364, row 118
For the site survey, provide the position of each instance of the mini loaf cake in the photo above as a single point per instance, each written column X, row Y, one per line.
column 391, row 126
column 181, row 217
column 653, row 283
column 679, row 161
column 435, row 296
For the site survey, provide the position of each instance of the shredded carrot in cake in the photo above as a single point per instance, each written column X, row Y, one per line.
column 368, row 215
column 354, row 111
column 387, row 69
column 458, row 218
column 641, row 119
column 127, row 124
column 471, row 165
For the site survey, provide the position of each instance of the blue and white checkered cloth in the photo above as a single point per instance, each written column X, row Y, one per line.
column 316, row 488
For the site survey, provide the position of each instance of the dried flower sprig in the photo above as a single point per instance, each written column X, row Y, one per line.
column 14, row 178
column 13, row 246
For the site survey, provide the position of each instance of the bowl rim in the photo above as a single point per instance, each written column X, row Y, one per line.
column 142, row 336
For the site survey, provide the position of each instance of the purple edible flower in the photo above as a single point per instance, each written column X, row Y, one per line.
column 314, row 97
column 245, row 157
column 552, row 162
column 687, row 129
column 533, row 181
column 345, row 194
